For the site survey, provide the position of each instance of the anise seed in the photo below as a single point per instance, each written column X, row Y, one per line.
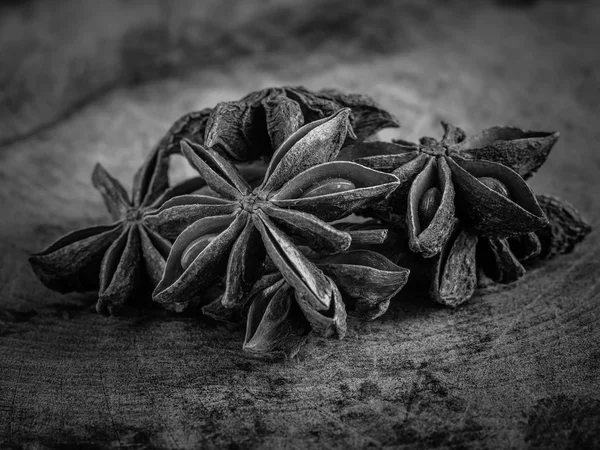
column 429, row 204
column 195, row 248
column 329, row 186
column 495, row 185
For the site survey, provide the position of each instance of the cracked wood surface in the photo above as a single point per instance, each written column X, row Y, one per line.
column 516, row 367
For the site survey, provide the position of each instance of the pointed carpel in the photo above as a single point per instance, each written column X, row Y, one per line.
column 283, row 116
column 259, row 300
column 326, row 323
column 245, row 265
column 119, row 274
column 180, row 212
column 452, row 134
column 522, row 151
column 428, row 240
column 370, row 186
column 294, row 266
column 114, row 194
column 407, row 171
column 218, row 173
column 366, row 279
column 151, row 179
column 454, row 277
column 72, row 263
column 155, row 250
column 318, row 234
column 525, row 246
column 489, row 212
column 275, row 325
column 385, row 156
column 186, row 187
column 503, row 267
column 313, row 144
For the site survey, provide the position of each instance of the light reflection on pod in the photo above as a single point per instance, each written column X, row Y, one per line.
column 329, row 186
column 428, row 205
column 495, row 185
column 195, row 248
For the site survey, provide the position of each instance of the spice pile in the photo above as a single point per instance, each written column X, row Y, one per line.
column 330, row 223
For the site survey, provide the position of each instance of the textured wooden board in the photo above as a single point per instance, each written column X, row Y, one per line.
column 517, row 367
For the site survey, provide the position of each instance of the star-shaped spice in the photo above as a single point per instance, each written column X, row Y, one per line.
column 256, row 125
column 479, row 180
column 302, row 190
column 121, row 260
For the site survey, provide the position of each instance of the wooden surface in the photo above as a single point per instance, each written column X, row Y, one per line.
column 516, row 367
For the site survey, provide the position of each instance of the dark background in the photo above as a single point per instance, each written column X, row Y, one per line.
column 86, row 81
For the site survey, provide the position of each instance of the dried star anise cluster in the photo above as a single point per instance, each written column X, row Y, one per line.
column 466, row 209
column 322, row 229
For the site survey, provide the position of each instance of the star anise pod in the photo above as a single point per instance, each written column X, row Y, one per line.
column 479, row 180
column 278, row 322
column 302, row 190
column 119, row 260
column 256, row 125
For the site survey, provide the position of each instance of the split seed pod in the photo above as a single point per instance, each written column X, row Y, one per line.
column 455, row 167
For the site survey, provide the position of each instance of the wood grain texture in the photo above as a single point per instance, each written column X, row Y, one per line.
column 516, row 367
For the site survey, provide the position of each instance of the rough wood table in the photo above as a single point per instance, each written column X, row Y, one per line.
column 517, row 367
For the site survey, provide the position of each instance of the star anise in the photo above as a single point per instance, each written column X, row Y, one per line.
column 278, row 322
column 302, row 190
column 119, row 260
column 453, row 275
column 479, row 180
column 256, row 125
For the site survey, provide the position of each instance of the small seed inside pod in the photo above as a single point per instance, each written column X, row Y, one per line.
column 428, row 205
column 329, row 186
column 195, row 248
column 495, row 185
